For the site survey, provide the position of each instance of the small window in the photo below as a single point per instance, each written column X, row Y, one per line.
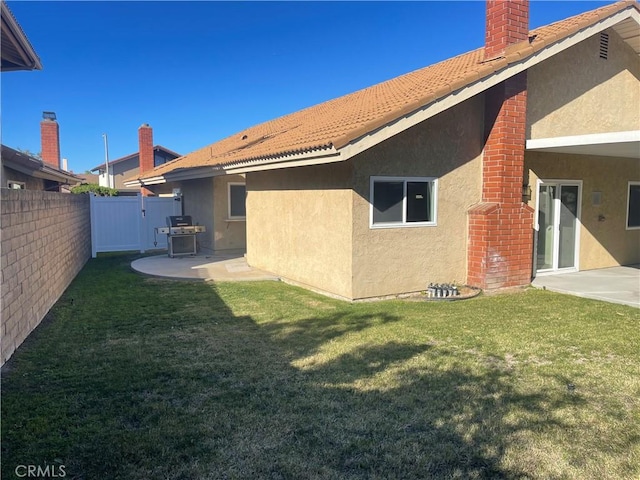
column 633, row 205
column 237, row 198
column 398, row 202
column 15, row 185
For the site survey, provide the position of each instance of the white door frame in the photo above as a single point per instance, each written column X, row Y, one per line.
column 556, row 237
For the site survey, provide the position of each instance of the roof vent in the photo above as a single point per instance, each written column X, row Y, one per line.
column 604, row 45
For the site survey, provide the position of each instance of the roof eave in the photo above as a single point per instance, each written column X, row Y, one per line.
column 20, row 41
column 318, row 156
column 49, row 173
column 491, row 74
column 487, row 75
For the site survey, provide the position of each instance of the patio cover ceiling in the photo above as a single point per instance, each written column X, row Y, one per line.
column 614, row 144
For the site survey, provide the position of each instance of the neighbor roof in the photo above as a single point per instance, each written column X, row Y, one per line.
column 326, row 128
column 134, row 155
column 17, row 51
column 35, row 167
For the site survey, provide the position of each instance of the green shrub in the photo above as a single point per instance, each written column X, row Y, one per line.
column 94, row 188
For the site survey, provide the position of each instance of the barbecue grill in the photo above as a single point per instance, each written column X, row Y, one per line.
column 181, row 235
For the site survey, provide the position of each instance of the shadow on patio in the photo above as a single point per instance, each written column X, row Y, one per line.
column 222, row 267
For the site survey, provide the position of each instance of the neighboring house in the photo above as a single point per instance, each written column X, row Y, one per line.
column 16, row 51
column 23, row 171
column 88, row 178
column 518, row 159
column 128, row 166
column 20, row 170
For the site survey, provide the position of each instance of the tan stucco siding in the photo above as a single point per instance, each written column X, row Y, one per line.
column 299, row 225
column 604, row 239
column 197, row 201
column 398, row 260
column 228, row 234
column 11, row 175
column 577, row 93
column 123, row 171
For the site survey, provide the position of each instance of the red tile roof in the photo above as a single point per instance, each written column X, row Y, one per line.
column 335, row 123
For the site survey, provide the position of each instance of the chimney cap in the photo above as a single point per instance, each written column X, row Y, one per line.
column 145, row 125
column 49, row 115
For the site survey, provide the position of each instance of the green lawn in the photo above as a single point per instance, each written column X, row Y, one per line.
column 138, row 378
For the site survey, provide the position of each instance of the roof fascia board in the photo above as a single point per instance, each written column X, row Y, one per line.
column 456, row 97
column 192, row 174
column 302, row 160
column 55, row 176
column 589, row 139
column 20, row 40
column 188, row 174
column 20, row 167
column 286, row 161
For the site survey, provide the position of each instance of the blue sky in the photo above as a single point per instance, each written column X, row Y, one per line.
column 200, row 71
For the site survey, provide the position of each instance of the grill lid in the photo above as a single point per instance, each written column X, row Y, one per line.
column 179, row 221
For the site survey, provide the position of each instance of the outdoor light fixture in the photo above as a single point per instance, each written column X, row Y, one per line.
column 49, row 115
column 526, row 193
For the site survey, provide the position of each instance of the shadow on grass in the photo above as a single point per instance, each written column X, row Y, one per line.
column 191, row 391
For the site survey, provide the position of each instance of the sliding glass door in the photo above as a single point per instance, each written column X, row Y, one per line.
column 558, row 226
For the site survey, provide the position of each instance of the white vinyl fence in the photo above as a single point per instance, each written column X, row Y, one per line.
column 127, row 223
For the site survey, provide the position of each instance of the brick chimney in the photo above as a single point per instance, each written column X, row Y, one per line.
column 500, row 248
column 145, row 150
column 50, row 139
column 507, row 23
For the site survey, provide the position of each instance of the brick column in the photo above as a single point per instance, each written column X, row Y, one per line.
column 500, row 248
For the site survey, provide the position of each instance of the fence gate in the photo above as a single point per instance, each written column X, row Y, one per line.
column 127, row 223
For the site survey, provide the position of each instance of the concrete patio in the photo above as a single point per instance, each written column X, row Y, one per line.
column 231, row 267
column 615, row 285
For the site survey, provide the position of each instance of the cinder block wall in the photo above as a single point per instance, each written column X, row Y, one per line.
column 46, row 240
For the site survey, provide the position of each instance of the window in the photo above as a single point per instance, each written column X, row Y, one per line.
column 408, row 202
column 237, row 195
column 15, row 185
column 633, row 205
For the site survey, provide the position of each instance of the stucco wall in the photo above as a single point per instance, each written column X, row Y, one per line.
column 299, row 223
column 205, row 199
column 31, row 183
column 604, row 242
column 123, row 171
column 228, row 234
column 46, row 240
column 197, row 201
column 397, row 260
column 576, row 92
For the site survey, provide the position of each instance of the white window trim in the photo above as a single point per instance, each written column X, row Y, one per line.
column 626, row 223
column 405, row 180
column 236, row 218
column 23, row 185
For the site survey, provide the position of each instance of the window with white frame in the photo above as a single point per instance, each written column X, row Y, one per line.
column 237, row 193
column 633, row 205
column 403, row 201
column 16, row 185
